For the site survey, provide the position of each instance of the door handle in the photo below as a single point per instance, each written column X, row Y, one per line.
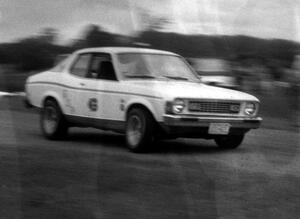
column 82, row 84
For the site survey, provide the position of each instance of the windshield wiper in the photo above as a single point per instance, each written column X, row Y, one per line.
column 177, row 78
column 139, row 76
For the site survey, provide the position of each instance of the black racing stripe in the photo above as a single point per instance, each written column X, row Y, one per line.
column 93, row 90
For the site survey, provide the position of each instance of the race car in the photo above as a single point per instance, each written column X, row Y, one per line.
column 145, row 94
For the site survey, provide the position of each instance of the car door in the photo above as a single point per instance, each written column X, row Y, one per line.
column 74, row 93
column 94, row 94
column 103, row 80
column 91, row 90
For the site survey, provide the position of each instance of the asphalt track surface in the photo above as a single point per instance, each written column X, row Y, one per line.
column 92, row 175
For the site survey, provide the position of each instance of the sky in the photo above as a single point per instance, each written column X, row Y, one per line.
column 259, row 18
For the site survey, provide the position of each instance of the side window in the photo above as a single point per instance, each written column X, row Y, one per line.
column 102, row 68
column 81, row 65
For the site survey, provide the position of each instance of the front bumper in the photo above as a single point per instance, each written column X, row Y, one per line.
column 191, row 121
column 195, row 126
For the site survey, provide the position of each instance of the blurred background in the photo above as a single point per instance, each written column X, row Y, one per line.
column 245, row 45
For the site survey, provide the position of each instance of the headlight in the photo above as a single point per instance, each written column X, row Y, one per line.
column 178, row 105
column 250, row 109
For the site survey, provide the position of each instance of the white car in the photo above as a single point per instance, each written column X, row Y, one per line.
column 144, row 93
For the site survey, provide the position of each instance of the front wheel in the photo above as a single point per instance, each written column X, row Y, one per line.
column 139, row 130
column 229, row 141
column 53, row 123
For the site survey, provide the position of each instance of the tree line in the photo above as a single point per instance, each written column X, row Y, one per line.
column 40, row 52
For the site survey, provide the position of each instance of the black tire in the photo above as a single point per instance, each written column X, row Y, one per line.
column 229, row 141
column 52, row 121
column 138, row 139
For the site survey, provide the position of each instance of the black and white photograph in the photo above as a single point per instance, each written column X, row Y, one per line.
column 149, row 109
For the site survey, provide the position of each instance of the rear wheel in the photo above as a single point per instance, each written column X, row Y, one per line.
column 139, row 130
column 53, row 123
column 229, row 141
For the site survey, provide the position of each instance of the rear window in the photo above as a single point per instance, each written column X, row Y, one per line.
column 81, row 65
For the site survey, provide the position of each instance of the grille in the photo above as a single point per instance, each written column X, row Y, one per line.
column 214, row 107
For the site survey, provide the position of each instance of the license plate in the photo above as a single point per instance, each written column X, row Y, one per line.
column 219, row 128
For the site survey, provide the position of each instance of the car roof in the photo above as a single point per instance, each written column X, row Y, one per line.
column 124, row 50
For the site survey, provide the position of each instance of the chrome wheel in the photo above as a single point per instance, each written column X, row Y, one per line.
column 50, row 119
column 53, row 124
column 134, row 130
column 139, row 130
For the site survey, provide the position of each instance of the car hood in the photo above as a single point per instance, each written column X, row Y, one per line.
column 176, row 89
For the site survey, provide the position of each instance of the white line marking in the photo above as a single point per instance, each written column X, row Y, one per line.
column 12, row 94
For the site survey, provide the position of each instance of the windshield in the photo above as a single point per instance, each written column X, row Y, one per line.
column 154, row 66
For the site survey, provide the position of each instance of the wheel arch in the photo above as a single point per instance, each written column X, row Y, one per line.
column 52, row 96
column 141, row 105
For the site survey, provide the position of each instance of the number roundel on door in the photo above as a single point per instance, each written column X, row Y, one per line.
column 93, row 104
